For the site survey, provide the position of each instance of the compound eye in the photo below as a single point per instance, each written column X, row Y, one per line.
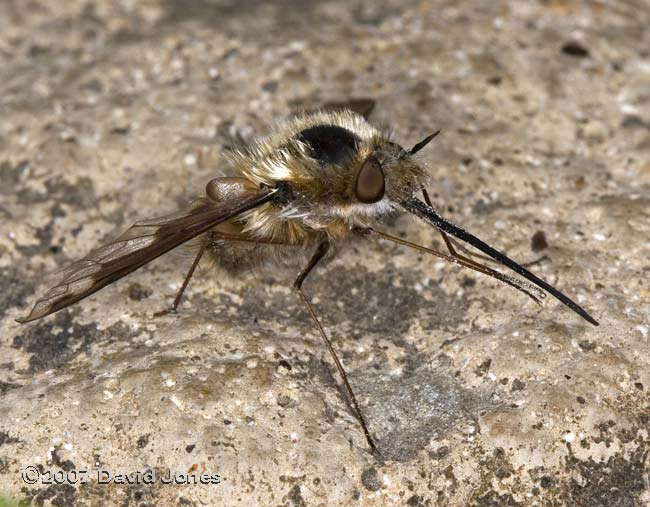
column 370, row 185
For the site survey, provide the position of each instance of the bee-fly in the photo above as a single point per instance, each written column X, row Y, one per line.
column 318, row 180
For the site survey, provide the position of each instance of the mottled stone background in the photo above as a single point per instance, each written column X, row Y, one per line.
column 119, row 110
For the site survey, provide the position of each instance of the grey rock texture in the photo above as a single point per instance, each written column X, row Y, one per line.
column 116, row 111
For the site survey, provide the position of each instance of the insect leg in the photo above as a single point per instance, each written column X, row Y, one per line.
column 212, row 235
column 451, row 243
column 181, row 291
column 318, row 255
column 531, row 291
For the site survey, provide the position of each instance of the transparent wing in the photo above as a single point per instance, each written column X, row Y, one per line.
column 140, row 244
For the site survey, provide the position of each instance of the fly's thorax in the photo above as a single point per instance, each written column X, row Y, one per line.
column 362, row 188
column 307, row 150
column 337, row 167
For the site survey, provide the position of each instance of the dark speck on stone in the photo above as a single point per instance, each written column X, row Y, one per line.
column 6, row 386
column 546, row 482
column 587, row 345
column 284, row 364
column 370, row 479
column 190, row 448
column 441, row 452
column 517, row 385
column 66, row 465
column 6, row 439
column 362, row 106
column 143, row 441
column 415, row 501
column 296, row 497
column 468, row 282
column 138, row 292
column 483, row 368
column 538, row 241
column 270, row 86
column 573, row 48
column 122, row 130
column 632, row 120
column 284, row 400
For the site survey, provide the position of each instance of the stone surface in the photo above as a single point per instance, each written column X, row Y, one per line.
column 115, row 111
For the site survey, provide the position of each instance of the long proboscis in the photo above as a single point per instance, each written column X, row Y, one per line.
column 428, row 214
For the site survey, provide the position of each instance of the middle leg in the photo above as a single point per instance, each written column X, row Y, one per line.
column 322, row 249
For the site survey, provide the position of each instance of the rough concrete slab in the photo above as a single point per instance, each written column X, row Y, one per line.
column 115, row 111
